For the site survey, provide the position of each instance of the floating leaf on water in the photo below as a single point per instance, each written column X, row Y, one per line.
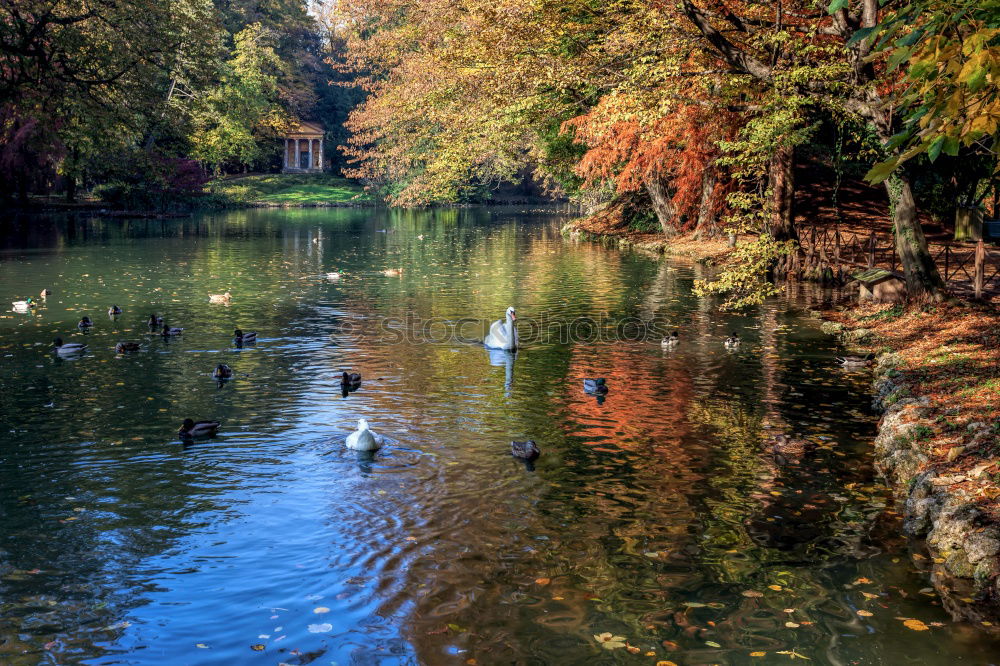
column 609, row 641
column 457, row 629
column 712, row 644
column 792, row 654
column 915, row 625
column 543, row 581
column 752, row 594
column 201, row 645
column 792, row 625
column 319, row 628
column 869, row 595
column 776, row 588
column 757, row 654
column 864, row 613
column 665, row 663
column 694, row 604
column 257, row 647
column 319, row 610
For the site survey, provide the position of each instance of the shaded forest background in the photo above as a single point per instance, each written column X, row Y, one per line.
column 678, row 116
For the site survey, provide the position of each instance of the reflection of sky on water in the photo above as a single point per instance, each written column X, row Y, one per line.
column 649, row 514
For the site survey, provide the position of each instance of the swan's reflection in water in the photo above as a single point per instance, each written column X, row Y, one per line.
column 505, row 359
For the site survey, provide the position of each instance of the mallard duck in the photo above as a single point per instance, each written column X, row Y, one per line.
column 598, row 385
column 68, row 349
column 23, row 306
column 363, row 439
column 220, row 298
column 525, row 450
column 114, row 310
column 45, row 293
column 123, row 347
column 733, row 341
column 169, row 331
column 247, row 338
column 333, row 277
column 392, row 272
column 855, row 361
column 222, row 371
column 671, row 340
column 154, row 321
column 85, row 322
column 191, row 429
column 788, row 451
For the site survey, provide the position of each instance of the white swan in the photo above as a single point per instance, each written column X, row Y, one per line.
column 503, row 335
column 363, row 439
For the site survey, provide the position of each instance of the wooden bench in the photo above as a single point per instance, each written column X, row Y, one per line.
column 881, row 286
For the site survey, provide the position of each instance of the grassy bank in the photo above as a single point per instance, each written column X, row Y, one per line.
column 289, row 190
column 714, row 250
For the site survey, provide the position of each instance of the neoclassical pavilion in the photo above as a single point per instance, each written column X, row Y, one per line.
column 304, row 148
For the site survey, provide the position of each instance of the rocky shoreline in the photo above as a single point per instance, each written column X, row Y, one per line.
column 953, row 538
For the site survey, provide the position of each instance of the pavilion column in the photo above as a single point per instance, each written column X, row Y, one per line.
column 298, row 153
column 321, row 154
column 285, row 154
column 310, row 153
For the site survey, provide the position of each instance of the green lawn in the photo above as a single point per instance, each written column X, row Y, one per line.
column 291, row 189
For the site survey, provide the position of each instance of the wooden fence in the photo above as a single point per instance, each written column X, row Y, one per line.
column 972, row 268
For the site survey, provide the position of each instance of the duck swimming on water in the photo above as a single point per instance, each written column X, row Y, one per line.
column 222, row 371
column 671, row 340
column 525, row 450
column 244, row 338
column 114, row 310
column 85, row 322
column 363, row 439
column 191, row 429
column 68, row 349
column 855, row 361
column 170, row 331
column 123, row 347
column 733, row 341
column 154, row 321
column 598, row 385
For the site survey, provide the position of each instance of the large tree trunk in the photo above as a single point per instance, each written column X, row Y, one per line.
column 659, row 193
column 782, row 176
column 923, row 280
column 705, row 227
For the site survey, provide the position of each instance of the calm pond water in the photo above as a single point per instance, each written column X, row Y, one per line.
column 653, row 515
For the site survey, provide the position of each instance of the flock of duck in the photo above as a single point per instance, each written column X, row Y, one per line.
column 190, row 429
column 502, row 336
